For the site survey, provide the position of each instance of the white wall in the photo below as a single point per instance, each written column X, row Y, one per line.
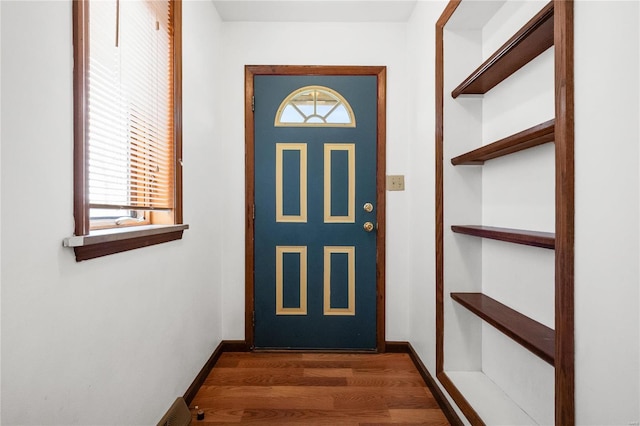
column 421, row 39
column 112, row 340
column 606, row 228
column 316, row 44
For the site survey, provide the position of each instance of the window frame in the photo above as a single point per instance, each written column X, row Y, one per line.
column 87, row 243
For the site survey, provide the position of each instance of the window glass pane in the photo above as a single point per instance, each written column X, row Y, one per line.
column 291, row 115
column 130, row 130
column 305, row 108
column 339, row 115
column 111, row 214
column 315, row 106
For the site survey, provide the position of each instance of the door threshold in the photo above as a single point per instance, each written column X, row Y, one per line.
column 315, row 350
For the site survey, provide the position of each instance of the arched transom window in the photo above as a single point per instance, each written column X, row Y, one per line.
column 317, row 106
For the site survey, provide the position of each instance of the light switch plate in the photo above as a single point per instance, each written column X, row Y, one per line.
column 395, row 182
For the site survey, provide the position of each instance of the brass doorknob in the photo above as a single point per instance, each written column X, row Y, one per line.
column 368, row 226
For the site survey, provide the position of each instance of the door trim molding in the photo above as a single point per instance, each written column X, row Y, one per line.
column 380, row 72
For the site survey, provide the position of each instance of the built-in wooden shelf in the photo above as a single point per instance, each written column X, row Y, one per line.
column 518, row 236
column 534, row 37
column 531, row 334
column 534, row 136
column 475, row 393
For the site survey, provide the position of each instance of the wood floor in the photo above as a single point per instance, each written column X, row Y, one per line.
column 316, row 389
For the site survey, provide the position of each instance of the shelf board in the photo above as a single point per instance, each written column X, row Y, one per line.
column 532, row 39
column 536, row 337
column 534, row 136
column 517, row 236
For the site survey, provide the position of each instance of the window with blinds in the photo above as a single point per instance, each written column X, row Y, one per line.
column 130, row 156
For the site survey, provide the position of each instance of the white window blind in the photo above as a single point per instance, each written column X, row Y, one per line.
column 130, row 108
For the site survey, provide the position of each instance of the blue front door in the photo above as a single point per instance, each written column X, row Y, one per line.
column 315, row 195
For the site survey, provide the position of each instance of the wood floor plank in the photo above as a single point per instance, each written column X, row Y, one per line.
column 391, row 372
column 268, row 402
column 269, row 377
column 410, row 401
column 431, row 416
column 316, row 389
column 370, row 401
column 328, row 372
column 302, row 391
column 314, row 416
column 385, row 381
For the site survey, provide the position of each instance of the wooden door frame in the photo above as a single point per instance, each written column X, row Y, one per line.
column 380, row 72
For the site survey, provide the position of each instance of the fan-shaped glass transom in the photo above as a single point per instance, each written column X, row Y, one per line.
column 315, row 106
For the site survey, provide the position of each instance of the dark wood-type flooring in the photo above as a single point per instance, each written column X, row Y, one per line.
column 316, row 389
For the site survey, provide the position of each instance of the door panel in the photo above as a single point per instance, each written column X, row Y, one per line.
column 339, row 182
column 315, row 265
column 291, row 182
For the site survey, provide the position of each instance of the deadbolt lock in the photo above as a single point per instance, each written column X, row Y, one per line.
column 368, row 207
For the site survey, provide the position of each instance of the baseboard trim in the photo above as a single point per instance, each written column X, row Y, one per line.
column 447, row 409
column 224, row 346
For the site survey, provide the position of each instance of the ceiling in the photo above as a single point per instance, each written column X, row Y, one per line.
column 315, row 10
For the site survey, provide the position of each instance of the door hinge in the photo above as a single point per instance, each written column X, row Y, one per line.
column 253, row 103
column 254, row 212
column 253, row 321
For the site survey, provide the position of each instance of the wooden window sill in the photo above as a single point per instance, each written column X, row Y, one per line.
column 110, row 241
